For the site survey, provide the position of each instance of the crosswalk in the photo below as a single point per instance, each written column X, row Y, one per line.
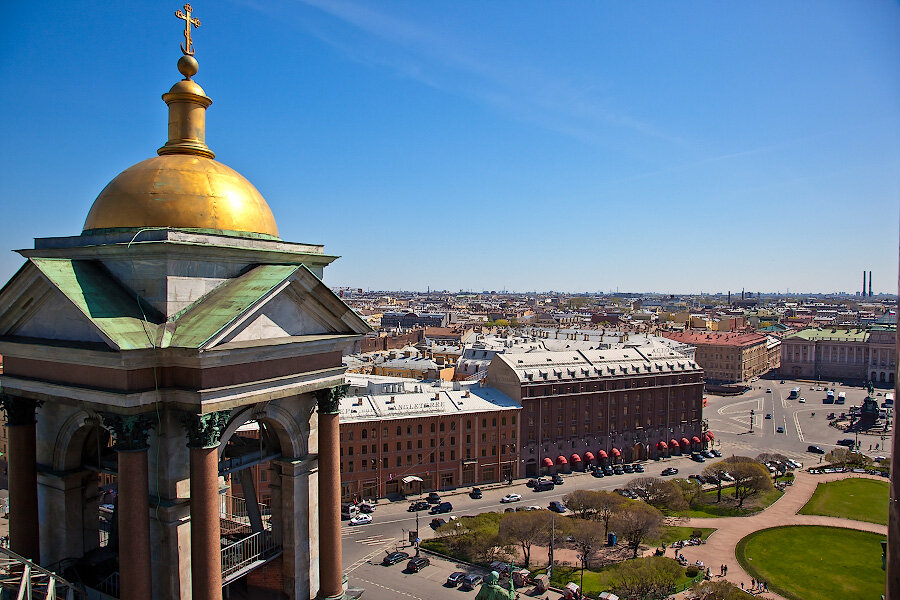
column 367, row 540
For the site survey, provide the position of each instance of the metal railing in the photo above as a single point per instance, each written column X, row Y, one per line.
column 482, row 374
column 110, row 585
column 234, row 517
column 29, row 580
column 256, row 548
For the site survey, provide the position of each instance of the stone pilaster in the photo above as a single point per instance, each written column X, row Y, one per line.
column 204, row 432
column 24, row 531
column 130, row 433
column 330, row 567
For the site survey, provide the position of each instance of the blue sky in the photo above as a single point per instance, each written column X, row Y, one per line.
column 575, row 146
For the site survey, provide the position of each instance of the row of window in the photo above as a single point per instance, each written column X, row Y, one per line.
column 367, row 464
column 532, row 391
column 373, row 432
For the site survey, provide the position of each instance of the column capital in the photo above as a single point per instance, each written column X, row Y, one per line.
column 19, row 410
column 329, row 399
column 130, row 432
column 205, row 431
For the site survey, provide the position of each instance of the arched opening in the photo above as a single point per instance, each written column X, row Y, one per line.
column 531, row 469
column 891, row 378
column 883, row 377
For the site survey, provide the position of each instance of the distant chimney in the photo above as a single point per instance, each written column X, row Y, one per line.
column 864, row 283
column 729, row 297
column 870, row 283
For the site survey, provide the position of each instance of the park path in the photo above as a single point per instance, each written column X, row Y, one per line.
column 719, row 547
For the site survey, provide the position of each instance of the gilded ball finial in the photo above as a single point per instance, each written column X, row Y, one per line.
column 188, row 66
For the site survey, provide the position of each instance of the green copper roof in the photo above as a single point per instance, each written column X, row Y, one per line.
column 113, row 310
column 209, row 315
column 833, row 335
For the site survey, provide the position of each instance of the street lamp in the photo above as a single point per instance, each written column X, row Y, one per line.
column 751, row 419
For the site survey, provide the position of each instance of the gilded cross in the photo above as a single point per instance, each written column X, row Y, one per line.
column 188, row 47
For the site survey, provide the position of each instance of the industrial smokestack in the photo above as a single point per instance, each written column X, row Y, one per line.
column 864, row 283
column 870, row 283
column 729, row 297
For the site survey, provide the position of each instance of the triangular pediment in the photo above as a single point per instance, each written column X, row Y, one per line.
column 267, row 303
column 72, row 301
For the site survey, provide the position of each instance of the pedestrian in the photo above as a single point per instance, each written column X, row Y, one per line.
column 752, row 583
column 742, row 585
column 726, row 570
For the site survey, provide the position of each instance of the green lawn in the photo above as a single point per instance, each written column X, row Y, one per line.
column 673, row 533
column 728, row 507
column 601, row 580
column 854, row 498
column 815, row 563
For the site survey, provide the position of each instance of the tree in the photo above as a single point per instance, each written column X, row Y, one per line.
column 690, row 489
column 475, row 538
column 717, row 470
column 720, row 590
column 651, row 577
column 661, row 493
column 588, row 536
column 581, row 502
column 637, row 521
column 750, row 479
column 607, row 504
column 845, row 456
column 525, row 529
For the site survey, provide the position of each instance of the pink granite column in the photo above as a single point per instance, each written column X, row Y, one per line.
column 24, row 531
column 330, row 567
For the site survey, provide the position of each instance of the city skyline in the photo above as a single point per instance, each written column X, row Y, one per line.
column 578, row 147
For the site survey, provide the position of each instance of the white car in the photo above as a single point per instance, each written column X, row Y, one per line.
column 361, row 519
column 532, row 508
column 511, row 498
column 802, row 400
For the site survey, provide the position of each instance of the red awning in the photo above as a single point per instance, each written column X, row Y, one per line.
column 548, row 462
column 685, row 442
column 588, row 455
column 602, row 454
column 615, row 452
column 674, row 443
column 662, row 445
column 696, row 439
column 576, row 458
column 710, row 436
column 561, row 460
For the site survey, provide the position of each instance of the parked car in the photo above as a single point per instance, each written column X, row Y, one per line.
column 417, row 563
column 361, row 519
column 716, row 453
column 768, row 415
column 418, row 505
column 638, row 468
column 455, row 578
column 846, row 442
column 598, row 473
column 544, row 485
column 531, row 483
column 618, row 470
column 697, row 457
column 476, row 493
column 348, row 511
column 802, row 400
column 708, row 454
column 780, row 429
column 607, row 470
column 628, row 469
column 471, row 581
column 435, row 523
column 768, row 390
column 433, row 498
column 443, row 507
column 726, row 476
column 815, row 450
column 510, row 498
column 394, row 557
column 366, row 507
column 558, row 507
column 557, row 480
column 669, row 471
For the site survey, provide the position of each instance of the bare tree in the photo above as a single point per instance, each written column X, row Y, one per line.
column 658, row 492
column 717, row 470
column 607, row 504
column 637, row 521
column 525, row 529
column 750, row 479
column 581, row 502
column 589, row 536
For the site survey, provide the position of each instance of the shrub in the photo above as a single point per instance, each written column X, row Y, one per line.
column 692, row 571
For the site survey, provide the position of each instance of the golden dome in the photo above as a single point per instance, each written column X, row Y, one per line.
column 182, row 191
column 183, row 187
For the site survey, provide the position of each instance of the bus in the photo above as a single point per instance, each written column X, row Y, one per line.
column 842, row 397
column 795, row 393
column 829, row 397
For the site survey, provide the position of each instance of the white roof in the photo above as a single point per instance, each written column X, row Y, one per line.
column 594, row 364
column 430, row 401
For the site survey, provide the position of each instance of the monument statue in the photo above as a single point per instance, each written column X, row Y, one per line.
column 492, row 590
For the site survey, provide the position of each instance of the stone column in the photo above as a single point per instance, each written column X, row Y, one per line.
column 204, row 433
column 330, row 567
column 130, row 434
column 24, row 532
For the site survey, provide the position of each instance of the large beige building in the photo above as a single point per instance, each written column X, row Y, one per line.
column 857, row 354
column 728, row 357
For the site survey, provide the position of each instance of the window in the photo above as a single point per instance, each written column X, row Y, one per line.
column 484, row 423
column 399, row 446
column 350, row 436
column 442, row 456
column 408, row 430
column 350, row 466
column 350, row 451
column 494, row 422
column 419, row 443
column 453, row 455
column 409, row 444
column 384, row 447
column 365, row 433
column 432, row 428
column 399, row 431
column 420, row 429
column 442, row 427
column 468, row 423
column 468, row 439
column 408, row 459
column 384, row 463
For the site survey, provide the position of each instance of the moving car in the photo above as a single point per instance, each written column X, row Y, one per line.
column 802, row 400
column 417, row 563
column 435, row 523
column 511, row 498
column 558, row 507
column 470, row 582
column 669, row 471
column 544, row 485
column 475, row 493
column 348, row 511
column 418, row 505
column 557, row 480
column 394, row 557
column 433, row 498
column 531, row 483
column 443, row 507
column 815, row 450
column 366, row 507
column 455, row 579
column 846, row 442
column 768, row 390
column 361, row 519
column 780, row 429
column 768, row 415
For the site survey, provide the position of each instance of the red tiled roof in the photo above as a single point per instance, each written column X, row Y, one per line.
column 712, row 338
